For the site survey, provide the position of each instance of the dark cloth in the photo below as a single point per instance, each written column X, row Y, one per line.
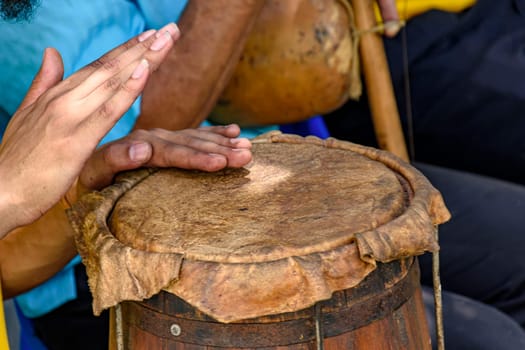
column 73, row 325
column 467, row 80
column 470, row 325
column 482, row 245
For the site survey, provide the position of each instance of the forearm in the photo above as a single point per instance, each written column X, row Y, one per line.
column 32, row 254
column 185, row 88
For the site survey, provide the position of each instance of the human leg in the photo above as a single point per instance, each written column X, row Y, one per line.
column 482, row 245
column 472, row 325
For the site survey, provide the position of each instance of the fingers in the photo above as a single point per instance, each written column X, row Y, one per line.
column 389, row 13
column 102, row 116
column 143, row 40
column 113, row 158
column 92, row 90
column 191, row 151
column 153, row 48
column 221, row 135
column 388, row 10
column 50, row 73
column 232, row 130
column 110, row 90
column 206, row 150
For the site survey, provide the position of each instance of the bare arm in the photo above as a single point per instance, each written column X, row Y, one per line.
column 30, row 255
column 187, row 85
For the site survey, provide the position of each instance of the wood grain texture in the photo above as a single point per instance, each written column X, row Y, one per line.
column 384, row 312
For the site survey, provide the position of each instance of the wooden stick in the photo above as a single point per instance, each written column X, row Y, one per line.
column 385, row 115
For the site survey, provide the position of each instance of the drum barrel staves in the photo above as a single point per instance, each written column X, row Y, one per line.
column 384, row 312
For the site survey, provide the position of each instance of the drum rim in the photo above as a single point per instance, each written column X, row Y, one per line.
column 342, row 237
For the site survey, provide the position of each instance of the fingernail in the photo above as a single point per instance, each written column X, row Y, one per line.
column 161, row 41
column 146, row 35
column 139, row 152
column 140, row 69
column 236, row 141
column 171, row 28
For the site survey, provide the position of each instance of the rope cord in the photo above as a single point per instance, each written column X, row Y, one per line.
column 436, row 279
column 438, row 301
column 356, row 87
column 355, row 93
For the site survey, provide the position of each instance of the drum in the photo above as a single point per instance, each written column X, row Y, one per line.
column 312, row 245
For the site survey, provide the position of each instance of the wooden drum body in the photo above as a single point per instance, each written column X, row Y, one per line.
column 311, row 246
column 383, row 312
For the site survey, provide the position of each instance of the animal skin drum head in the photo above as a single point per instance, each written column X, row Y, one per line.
column 306, row 218
column 295, row 199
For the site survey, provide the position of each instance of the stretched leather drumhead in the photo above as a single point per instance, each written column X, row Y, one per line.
column 293, row 200
column 306, row 218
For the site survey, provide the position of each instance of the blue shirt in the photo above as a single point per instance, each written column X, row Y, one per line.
column 81, row 31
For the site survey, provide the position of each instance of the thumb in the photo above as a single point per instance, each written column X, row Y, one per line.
column 113, row 158
column 50, row 73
